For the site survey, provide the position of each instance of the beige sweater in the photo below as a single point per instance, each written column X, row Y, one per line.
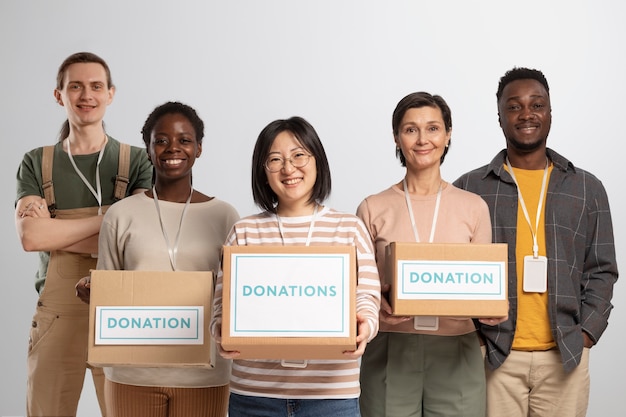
column 131, row 239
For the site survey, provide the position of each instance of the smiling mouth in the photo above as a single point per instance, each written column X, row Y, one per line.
column 291, row 181
column 527, row 127
column 173, row 161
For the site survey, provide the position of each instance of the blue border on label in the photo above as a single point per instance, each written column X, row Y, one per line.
column 498, row 265
column 197, row 319
column 342, row 257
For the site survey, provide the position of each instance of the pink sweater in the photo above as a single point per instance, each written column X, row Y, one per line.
column 463, row 218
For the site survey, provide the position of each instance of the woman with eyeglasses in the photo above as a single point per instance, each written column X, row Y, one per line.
column 290, row 181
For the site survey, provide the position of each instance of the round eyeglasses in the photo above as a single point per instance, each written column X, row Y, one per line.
column 297, row 159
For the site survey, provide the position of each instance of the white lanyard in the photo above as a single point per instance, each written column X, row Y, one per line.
column 308, row 239
column 410, row 208
column 284, row 362
column 98, row 192
column 171, row 250
column 521, row 201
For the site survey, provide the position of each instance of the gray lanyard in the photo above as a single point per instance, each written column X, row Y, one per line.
column 171, row 250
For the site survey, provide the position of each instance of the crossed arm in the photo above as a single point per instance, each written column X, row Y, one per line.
column 37, row 231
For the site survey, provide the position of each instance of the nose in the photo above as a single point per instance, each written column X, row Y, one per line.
column 85, row 93
column 419, row 138
column 288, row 166
column 527, row 113
column 172, row 146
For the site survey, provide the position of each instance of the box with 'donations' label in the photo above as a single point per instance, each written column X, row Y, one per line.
column 289, row 302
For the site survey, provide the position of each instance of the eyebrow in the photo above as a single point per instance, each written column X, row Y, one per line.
column 185, row 133
column 90, row 82
column 291, row 150
column 531, row 96
column 428, row 122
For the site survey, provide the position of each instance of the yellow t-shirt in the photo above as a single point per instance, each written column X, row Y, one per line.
column 532, row 331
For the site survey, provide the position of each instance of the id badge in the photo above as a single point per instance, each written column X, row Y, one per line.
column 535, row 274
column 426, row 323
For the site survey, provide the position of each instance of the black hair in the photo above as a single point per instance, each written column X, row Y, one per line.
column 263, row 195
column 521, row 73
column 417, row 100
column 172, row 107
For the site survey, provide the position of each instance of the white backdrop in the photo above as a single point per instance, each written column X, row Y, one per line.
column 343, row 65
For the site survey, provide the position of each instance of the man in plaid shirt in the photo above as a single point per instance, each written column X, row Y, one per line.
column 556, row 220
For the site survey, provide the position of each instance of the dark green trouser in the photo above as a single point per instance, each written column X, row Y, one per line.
column 416, row 375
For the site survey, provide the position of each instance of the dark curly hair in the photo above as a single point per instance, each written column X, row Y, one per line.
column 521, row 73
column 172, row 107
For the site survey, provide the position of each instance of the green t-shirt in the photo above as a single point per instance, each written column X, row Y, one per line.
column 69, row 190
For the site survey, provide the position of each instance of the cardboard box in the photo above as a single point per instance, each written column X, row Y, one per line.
column 463, row 280
column 149, row 318
column 289, row 302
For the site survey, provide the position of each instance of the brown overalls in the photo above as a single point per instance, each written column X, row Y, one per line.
column 57, row 351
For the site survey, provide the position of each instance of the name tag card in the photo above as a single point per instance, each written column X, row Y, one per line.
column 289, row 302
column 150, row 318
column 463, row 280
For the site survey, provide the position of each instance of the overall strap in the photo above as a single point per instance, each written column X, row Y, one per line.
column 46, row 176
column 121, row 179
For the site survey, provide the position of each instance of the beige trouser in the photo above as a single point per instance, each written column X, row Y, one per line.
column 57, row 351
column 534, row 384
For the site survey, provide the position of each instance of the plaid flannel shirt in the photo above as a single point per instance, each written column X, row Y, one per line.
column 582, row 266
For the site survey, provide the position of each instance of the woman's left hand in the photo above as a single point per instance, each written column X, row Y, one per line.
column 83, row 289
column 363, row 333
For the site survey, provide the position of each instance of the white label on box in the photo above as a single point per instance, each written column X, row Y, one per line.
column 149, row 325
column 290, row 295
column 451, row 280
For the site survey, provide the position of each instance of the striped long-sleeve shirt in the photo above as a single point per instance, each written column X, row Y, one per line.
column 331, row 379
